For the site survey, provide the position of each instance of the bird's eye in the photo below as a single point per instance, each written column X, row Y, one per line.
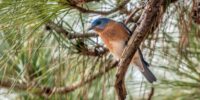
column 98, row 22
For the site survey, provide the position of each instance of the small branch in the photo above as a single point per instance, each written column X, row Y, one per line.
column 91, row 0
column 151, row 94
column 132, row 14
column 83, row 10
column 196, row 11
column 53, row 90
column 88, row 52
column 85, row 51
column 81, row 1
column 80, row 35
column 68, row 35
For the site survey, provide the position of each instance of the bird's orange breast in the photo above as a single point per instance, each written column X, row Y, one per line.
column 114, row 36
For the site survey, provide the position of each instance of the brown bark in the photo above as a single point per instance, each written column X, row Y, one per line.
column 149, row 19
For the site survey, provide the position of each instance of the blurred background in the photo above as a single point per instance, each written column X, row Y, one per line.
column 46, row 51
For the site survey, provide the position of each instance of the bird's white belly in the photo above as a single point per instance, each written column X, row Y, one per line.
column 117, row 48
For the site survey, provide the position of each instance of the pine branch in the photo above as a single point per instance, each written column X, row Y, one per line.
column 86, row 51
column 81, row 1
column 45, row 90
column 67, row 34
column 151, row 94
column 83, row 10
column 132, row 14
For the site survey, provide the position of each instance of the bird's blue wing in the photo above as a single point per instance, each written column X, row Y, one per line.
column 142, row 58
column 128, row 30
column 140, row 52
column 146, row 72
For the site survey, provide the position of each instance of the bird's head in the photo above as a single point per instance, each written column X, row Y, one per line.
column 99, row 24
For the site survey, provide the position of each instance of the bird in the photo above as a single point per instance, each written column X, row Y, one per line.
column 115, row 36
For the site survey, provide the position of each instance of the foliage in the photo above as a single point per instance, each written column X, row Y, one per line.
column 34, row 53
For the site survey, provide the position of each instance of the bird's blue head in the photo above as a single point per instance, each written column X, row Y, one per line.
column 99, row 23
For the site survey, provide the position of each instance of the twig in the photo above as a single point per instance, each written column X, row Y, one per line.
column 68, row 35
column 83, row 10
column 53, row 90
column 151, row 94
column 150, row 15
column 86, row 51
column 132, row 14
column 81, row 1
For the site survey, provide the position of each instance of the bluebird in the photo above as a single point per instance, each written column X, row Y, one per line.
column 115, row 36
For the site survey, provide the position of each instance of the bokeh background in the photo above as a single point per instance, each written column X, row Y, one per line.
column 46, row 51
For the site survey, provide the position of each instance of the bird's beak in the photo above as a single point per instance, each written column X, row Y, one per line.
column 90, row 28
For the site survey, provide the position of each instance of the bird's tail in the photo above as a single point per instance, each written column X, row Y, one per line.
column 145, row 71
column 148, row 74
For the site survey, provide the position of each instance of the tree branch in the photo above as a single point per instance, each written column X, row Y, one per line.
column 95, row 52
column 151, row 94
column 151, row 15
column 132, row 14
column 83, row 10
column 68, row 35
column 45, row 90
column 83, row 51
column 81, row 1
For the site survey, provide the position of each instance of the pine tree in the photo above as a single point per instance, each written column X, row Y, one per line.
column 46, row 51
